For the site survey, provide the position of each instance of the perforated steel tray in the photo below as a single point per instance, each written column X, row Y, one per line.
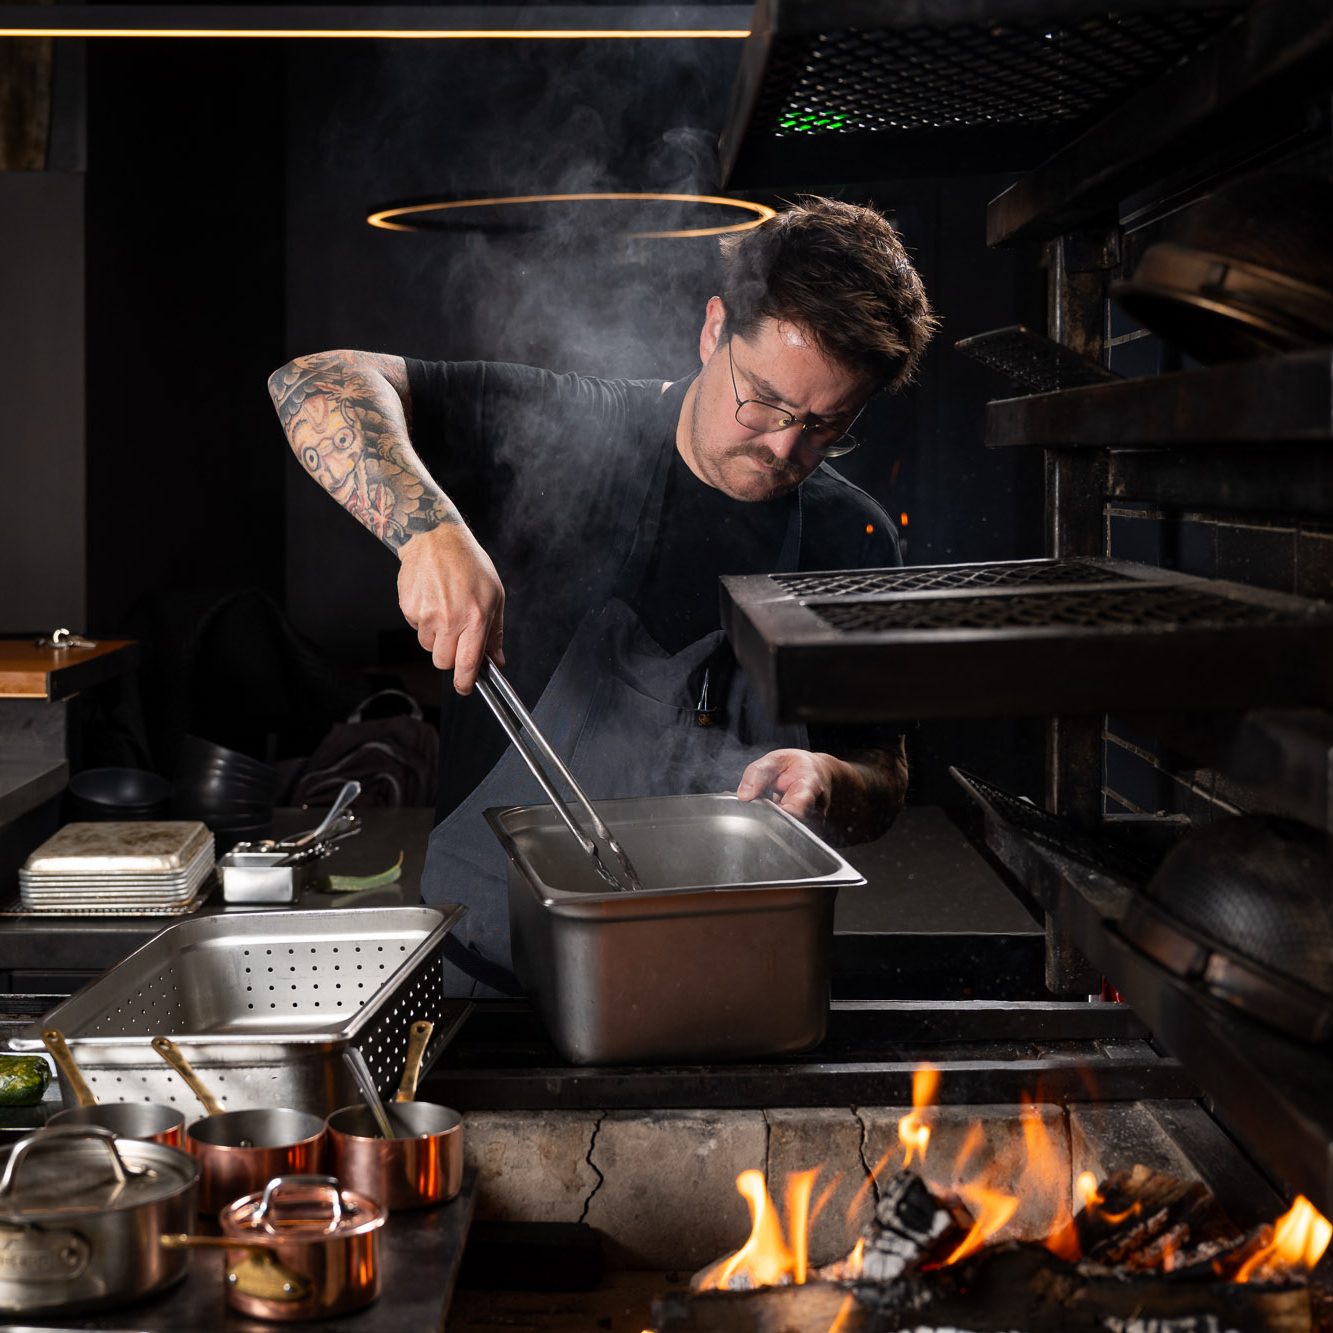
column 262, row 1004
column 1026, row 637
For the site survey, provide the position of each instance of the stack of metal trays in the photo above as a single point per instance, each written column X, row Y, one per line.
column 120, row 869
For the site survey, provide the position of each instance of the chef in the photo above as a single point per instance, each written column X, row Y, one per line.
column 576, row 528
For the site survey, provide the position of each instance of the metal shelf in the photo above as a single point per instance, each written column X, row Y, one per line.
column 1243, row 89
column 847, row 90
column 26, row 784
column 1279, row 399
column 1022, row 638
column 1274, row 1093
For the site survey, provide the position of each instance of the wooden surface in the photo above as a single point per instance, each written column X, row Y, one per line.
column 30, row 672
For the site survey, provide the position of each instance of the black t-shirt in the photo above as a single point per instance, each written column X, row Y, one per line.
column 540, row 465
column 704, row 534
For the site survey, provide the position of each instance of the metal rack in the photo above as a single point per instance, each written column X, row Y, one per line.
column 1064, row 636
column 825, row 90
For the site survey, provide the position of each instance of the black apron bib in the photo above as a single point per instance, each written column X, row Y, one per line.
column 629, row 719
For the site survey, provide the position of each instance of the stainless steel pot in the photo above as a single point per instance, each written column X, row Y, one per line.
column 126, row 1120
column 725, row 956
column 80, row 1216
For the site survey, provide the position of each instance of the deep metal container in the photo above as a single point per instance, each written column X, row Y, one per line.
column 263, row 1004
column 722, row 956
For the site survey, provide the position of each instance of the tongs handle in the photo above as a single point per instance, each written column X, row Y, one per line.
column 515, row 719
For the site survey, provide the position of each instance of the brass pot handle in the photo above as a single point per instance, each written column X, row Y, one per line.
column 171, row 1053
column 418, row 1039
column 54, row 1041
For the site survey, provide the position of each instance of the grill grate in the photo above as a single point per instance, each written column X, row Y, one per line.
column 1105, row 855
column 873, row 582
column 1102, row 608
column 987, row 75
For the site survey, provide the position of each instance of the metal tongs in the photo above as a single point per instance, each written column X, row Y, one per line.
column 515, row 719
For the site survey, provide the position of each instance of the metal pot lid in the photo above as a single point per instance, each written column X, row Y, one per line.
column 301, row 1208
column 75, row 1170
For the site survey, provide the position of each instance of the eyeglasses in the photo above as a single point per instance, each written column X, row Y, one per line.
column 826, row 440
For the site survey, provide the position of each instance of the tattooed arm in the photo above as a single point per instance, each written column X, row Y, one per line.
column 347, row 418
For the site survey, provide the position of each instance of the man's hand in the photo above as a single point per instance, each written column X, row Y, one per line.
column 451, row 595
column 853, row 800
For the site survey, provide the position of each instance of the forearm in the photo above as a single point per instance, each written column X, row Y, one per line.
column 344, row 417
column 868, row 789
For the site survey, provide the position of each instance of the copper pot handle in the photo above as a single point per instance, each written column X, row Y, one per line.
column 261, row 1275
column 418, row 1039
column 171, row 1053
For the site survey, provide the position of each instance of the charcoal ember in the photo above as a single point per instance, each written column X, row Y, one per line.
column 911, row 1227
column 1150, row 1220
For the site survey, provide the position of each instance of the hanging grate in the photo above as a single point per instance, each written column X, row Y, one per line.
column 1135, row 608
column 1009, row 574
column 1031, row 72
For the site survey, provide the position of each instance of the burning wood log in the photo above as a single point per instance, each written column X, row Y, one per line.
column 1159, row 1255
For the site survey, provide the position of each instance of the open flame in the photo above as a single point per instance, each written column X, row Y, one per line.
column 913, row 1132
column 1300, row 1236
column 1029, row 1169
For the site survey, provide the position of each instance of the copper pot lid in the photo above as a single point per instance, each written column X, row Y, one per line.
column 301, row 1208
column 75, row 1170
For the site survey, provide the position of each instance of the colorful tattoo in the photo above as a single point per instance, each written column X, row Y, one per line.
column 349, row 432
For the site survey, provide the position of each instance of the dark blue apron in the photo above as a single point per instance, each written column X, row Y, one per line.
column 629, row 719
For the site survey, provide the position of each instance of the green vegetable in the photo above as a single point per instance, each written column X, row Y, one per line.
column 23, row 1079
column 355, row 883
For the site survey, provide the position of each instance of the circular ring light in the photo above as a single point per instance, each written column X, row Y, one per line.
column 388, row 218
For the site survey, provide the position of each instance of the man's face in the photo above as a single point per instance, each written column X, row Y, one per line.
column 777, row 364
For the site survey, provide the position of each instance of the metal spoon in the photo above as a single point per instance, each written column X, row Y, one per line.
column 356, row 1062
column 351, row 790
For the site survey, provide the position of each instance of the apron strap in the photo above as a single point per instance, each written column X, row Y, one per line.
column 481, row 969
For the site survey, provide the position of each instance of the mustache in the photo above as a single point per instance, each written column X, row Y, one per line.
column 783, row 467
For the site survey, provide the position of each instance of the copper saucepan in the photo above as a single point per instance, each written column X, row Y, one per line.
column 422, row 1165
column 238, row 1151
column 126, row 1120
column 304, row 1248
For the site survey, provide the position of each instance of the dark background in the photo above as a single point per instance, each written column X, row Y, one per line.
column 227, row 185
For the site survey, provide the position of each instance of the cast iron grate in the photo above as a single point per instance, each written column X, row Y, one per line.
column 1030, row 72
column 1104, row 854
column 926, row 578
column 1103, row 608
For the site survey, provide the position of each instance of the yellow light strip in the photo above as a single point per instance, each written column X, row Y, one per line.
column 429, row 34
column 762, row 212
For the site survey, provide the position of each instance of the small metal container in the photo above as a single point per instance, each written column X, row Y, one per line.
column 259, row 877
column 723, row 955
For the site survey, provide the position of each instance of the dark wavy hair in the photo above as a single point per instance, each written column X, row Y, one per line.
column 841, row 272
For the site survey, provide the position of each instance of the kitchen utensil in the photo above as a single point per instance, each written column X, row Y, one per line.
column 350, row 791
column 304, row 1248
column 80, row 1215
column 418, row 1039
column 1240, row 907
column 238, row 1150
column 344, row 976
column 515, row 719
column 729, row 959
column 127, row 1120
column 355, row 1061
column 421, row 1163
